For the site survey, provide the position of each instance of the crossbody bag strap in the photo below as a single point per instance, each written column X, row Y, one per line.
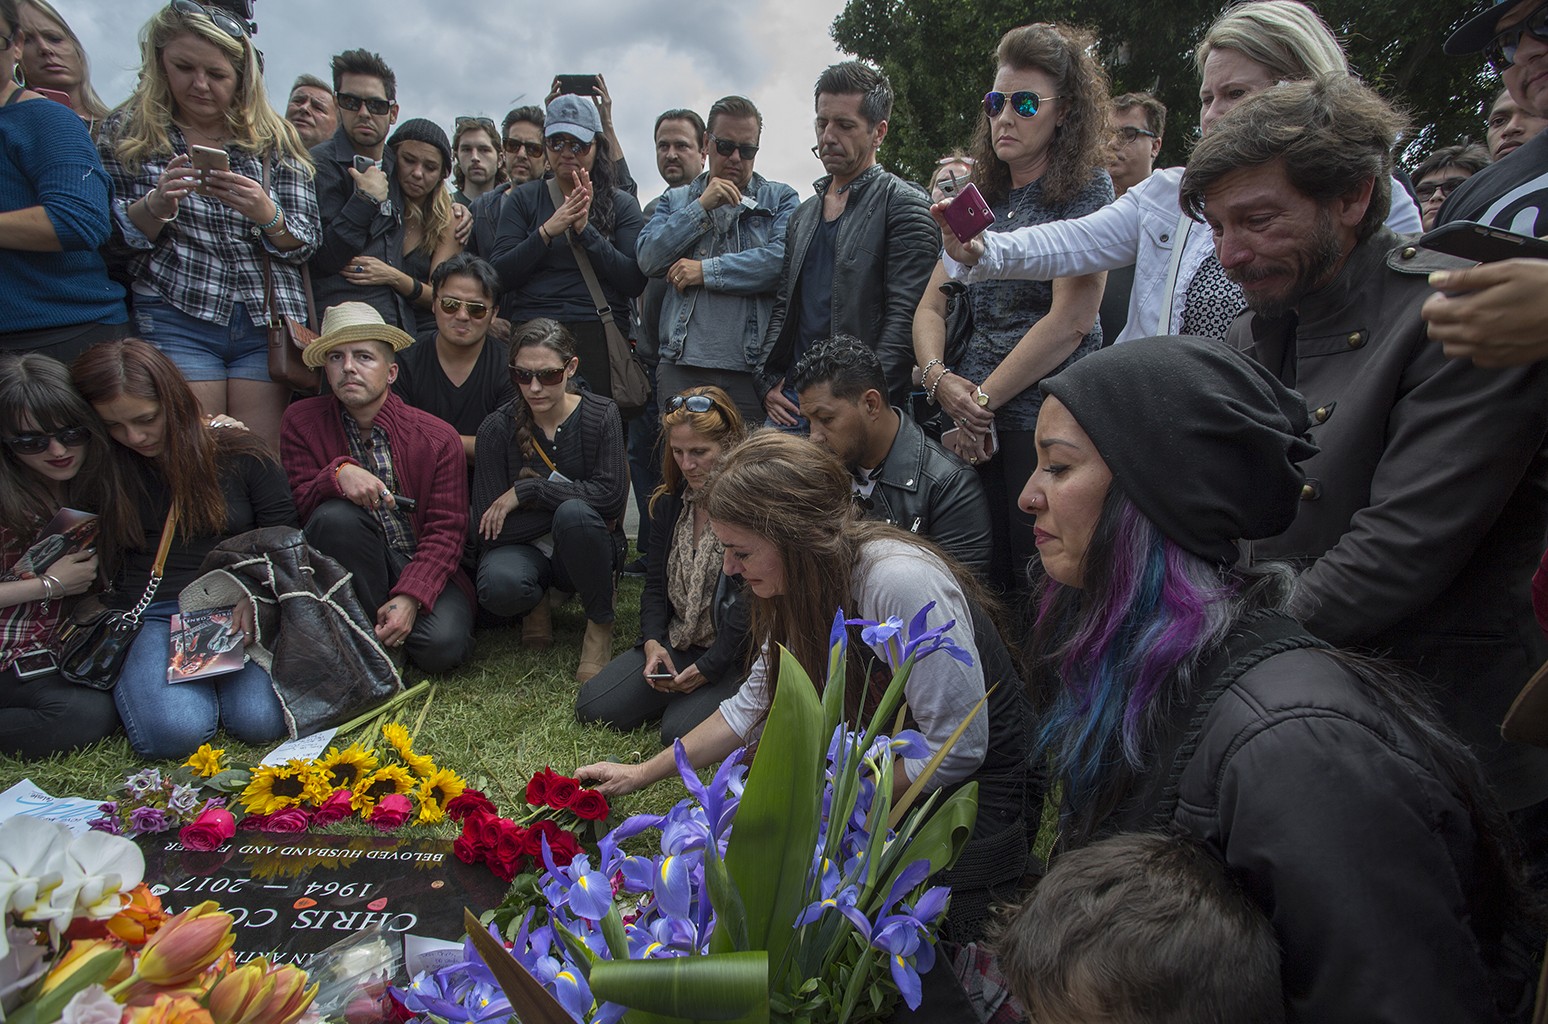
column 1180, row 234
column 537, row 446
column 582, row 260
column 158, row 567
column 268, row 263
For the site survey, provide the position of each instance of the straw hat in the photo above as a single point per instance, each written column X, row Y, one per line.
column 352, row 321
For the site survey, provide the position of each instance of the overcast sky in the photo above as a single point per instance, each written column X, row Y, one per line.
column 457, row 57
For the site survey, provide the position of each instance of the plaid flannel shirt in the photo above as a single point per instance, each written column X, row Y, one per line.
column 28, row 626
column 211, row 257
column 377, row 457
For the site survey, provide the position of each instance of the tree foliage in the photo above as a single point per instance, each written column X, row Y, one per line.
column 939, row 55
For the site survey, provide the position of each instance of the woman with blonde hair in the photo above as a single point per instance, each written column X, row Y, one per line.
column 693, row 624
column 202, row 241
column 53, row 58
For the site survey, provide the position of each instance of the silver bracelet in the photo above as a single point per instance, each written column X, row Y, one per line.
column 52, row 588
column 930, row 394
column 165, row 220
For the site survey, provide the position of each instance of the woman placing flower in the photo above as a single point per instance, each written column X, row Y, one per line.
column 782, row 508
column 197, row 240
column 693, row 651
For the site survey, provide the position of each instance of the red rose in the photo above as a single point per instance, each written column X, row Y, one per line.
column 290, row 820
column 561, row 790
column 254, row 823
column 537, row 789
column 533, row 846
column 589, row 805
column 511, row 844
column 488, row 827
column 471, row 800
column 391, row 812
column 466, row 850
column 335, row 808
column 564, row 848
column 209, row 830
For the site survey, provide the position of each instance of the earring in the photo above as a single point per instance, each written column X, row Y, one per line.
column 19, row 75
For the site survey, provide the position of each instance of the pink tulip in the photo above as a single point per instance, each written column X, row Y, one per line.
column 185, row 946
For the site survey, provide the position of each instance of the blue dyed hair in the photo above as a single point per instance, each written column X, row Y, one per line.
column 1126, row 639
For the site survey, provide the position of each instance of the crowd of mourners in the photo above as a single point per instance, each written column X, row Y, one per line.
column 1234, row 487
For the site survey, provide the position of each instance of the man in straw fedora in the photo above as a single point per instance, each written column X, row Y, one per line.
column 382, row 487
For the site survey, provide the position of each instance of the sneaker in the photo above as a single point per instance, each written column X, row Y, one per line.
column 635, row 568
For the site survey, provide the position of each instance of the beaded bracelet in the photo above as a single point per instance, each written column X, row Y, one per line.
column 930, row 394
column 268, row 228
column 924, row 373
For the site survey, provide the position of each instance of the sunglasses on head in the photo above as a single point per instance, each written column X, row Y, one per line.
column 1128, row 133
column 693, row 403
column 547, row 378
column 561, row 143
column 37, row 444
column 1501, row 51
column 725, row 147
column 373, row 104
column 482, row 122
column 1024, row 103
column 476, row 310
column 223, row 21
column 513, row 146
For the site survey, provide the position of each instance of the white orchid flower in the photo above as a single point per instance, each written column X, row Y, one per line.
column 31, row 868
column 97, row 868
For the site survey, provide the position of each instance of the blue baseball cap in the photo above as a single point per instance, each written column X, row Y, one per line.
column 573, row 115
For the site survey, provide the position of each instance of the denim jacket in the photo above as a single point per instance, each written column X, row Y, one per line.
column 744, row 261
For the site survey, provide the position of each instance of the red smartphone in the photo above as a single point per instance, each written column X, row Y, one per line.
column 55, row 95
column 967, row 214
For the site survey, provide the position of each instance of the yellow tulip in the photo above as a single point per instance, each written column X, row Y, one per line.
column 239, row 994
column 80, row 953
column 185, row 946
column 290, row 997
column 168, row 1009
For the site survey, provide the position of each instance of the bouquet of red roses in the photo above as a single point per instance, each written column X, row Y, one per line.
column 558, row 808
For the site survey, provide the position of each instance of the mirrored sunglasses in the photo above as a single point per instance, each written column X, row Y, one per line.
column 1501, row 51
column 476, row 310
column 1024, row 103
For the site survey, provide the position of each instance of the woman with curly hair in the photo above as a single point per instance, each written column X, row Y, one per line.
column 532, row 250
column 217, row 483
column 1037, row 158
column 196, row 240
column 550, row 478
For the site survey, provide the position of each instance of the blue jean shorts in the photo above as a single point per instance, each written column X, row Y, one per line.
column 201, row 349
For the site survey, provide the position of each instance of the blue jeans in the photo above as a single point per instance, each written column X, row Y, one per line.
column 170, row 720
column 644, row 435
column 201, row 349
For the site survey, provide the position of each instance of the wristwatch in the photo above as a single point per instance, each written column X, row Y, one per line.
column 981, row 398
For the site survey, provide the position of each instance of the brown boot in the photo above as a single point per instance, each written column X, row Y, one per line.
column 537, row 627
column 596, row 650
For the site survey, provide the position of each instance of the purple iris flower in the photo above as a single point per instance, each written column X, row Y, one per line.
column 570, row 988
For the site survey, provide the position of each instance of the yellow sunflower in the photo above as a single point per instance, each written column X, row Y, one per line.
column 276, row 787
column 442, row 785
column 345, row 769
column 207, row 761
column 392, row 778
column 422, row 765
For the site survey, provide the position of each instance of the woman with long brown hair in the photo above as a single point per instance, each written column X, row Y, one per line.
column 550, row 478
column 693, row 622
column 783, row 509
column 200, row 243
column 215, row 483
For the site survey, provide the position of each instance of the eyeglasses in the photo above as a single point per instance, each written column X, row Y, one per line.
column 725, row 147
column 1128, row 133
column 1024, row 103
column 1424, row 190
column 561, row 143
column 547, row 378
column 693, row 403
column 476, row 310
column 514, row 146
column 223, row 21
column 1501, row 51
column 37, row 444
column 374, row 105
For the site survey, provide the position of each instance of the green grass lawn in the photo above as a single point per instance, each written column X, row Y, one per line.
column 504, row 715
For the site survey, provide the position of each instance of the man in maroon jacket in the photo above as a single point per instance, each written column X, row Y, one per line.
column 383, row 488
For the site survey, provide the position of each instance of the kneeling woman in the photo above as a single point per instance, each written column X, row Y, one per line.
column 693, row 623
column 203, row 485
column 783, row 510
column 56, row 455
column 550, row 479
column 1187, row 700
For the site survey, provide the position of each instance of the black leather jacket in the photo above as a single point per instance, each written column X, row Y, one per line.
column 355, row 225
column 886, row 249
column 927, row 490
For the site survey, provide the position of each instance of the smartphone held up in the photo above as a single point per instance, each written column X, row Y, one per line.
column 967, row 213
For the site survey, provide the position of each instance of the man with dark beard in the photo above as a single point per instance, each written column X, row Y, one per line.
column 1422, row 517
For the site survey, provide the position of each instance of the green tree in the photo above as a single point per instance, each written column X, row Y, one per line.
column 939, row 55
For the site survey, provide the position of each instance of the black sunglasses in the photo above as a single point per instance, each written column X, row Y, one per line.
column 1128, row 133
column 476, row 310
column 1024, row 102
column 560, row 143
column 374, row 104
column 37, row 444
column 547, row 378
column 223, row 21
column 725, row 147
column 1501, row 51
column 482, row 122
column 1446, row 186
column 534, row 149
column 693, row 403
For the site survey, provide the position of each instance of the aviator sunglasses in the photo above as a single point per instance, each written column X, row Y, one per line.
column 693, row 403
column 476, row 310
column 547, row 378
column 534, row 149
column 37, row 444
column 561, row 143
column 1501, row 51
column 725, row 147
column 1024, row 102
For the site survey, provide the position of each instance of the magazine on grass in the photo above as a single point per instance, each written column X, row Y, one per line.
column 68, row 532
column 203, row 645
